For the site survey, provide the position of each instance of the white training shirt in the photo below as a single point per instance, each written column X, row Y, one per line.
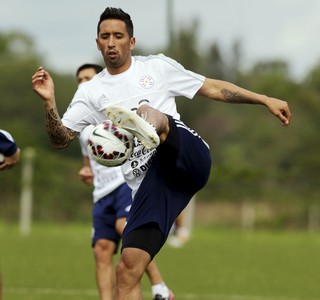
column 157, row 78
column 105, row 180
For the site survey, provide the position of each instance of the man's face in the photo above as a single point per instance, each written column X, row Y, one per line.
column 115, row 45
column 85, row 75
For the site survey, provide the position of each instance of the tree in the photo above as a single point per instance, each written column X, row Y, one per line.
column 56, row 181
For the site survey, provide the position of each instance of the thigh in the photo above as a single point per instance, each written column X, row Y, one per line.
column 122, row 200
column 104, row 220
column 186, row 158
column 147, row 237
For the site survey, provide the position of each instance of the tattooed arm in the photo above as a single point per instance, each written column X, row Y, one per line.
column 228, row 92
column 60, row 136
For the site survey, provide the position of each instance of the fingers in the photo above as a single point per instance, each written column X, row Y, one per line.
column 280, row 109
column 285, row 116
column 6, row 165
column 40, row 76
column 87, row 179
column 86, row 175
column 42, row 84
column 282, row 116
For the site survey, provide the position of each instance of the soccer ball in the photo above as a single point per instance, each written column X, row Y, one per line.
column 110, row 145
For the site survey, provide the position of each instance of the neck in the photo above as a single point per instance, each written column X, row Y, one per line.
column 114, row 70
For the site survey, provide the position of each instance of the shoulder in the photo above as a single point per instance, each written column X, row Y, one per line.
column 4, row 135
column 160, row 61
column 88, row 89
column 153, row 58
column 8, row 146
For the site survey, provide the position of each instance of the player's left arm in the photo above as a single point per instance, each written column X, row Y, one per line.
column 85, row 173
column 227, row 92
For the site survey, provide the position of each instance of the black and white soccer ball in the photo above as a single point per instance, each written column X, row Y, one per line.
column 110, row 145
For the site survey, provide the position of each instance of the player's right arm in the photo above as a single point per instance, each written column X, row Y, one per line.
column 60, row 136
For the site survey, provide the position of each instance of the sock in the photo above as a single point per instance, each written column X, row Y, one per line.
column 160, row 289
column 183, row 233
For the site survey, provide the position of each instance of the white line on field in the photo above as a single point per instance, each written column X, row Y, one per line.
column 50, row 291
column 94, row 293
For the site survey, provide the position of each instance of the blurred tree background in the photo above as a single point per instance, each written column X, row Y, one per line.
column 255, row 159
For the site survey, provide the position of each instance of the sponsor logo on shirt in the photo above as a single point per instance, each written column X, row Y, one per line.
column 141, row 159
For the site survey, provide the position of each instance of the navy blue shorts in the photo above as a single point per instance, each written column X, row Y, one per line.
column 107, row 210
column 180, row 168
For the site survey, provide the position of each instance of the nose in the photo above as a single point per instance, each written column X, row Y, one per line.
column 111, row 43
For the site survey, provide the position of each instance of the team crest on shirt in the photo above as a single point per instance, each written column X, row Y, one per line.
column 102, row 101
column 146, row 81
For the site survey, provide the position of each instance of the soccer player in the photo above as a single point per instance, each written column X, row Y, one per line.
column 112, row 202
column 9, row 151
column 10, row 155
column 170, row 162
column 180, row 232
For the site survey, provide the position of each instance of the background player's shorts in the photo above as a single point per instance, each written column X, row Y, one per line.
column 107, row 210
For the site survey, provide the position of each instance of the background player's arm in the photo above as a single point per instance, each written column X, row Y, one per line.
column 10, row 153
column 227, row 92
column 85, row 173
column 60, row 136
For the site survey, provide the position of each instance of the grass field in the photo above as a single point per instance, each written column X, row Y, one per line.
column 55, row 262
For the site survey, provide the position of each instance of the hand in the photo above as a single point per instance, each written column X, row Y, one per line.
column 43, row 85
column 10, row 161
column 86, row 175
column 280, row 109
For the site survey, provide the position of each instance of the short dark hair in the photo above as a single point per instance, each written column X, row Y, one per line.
column 118, row 14
column 96, row 67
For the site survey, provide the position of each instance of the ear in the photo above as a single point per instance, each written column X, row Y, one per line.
column 97, row 43
column 132, row 43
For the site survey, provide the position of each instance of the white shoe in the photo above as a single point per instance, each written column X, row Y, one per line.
column 130, row 121
column 159, row 297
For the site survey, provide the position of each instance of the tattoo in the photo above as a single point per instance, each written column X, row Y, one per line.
column 234, row 97
column 60, row 136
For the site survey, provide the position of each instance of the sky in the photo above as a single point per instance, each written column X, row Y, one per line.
column 64, row 31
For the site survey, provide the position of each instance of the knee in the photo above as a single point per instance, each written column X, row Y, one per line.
column 103, row 250
column 126, row 265
column 158, row 119
column 124, row 272
column 130, row 267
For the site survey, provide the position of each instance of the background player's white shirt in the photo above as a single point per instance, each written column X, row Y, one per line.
column 105, row 179
column 156, row 78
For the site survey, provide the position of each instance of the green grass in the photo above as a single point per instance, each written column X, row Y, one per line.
column 56, row 262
